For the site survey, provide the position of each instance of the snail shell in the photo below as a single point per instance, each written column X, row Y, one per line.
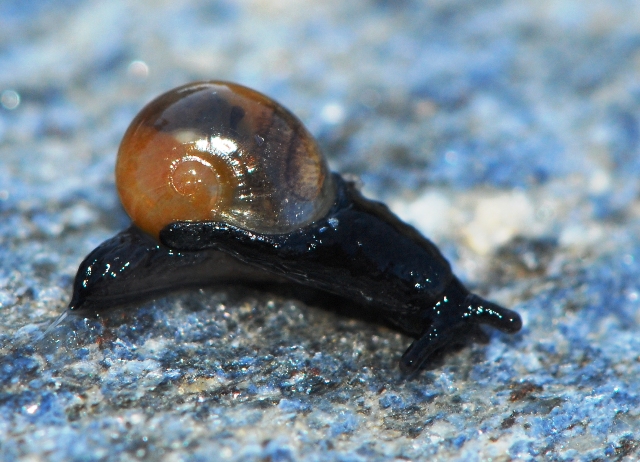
column 223, row 152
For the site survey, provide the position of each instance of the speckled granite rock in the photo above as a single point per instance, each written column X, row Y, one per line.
column 507, row 131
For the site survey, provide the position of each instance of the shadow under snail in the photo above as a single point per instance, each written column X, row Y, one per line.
column 223, row 184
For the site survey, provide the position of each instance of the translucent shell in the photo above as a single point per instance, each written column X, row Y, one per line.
column 217, row 151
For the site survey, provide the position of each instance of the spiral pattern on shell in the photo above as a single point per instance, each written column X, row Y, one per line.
column 217, row 151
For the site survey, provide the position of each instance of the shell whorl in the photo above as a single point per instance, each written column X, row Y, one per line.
column 221, row 152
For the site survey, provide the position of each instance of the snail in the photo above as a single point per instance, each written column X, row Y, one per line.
column 224, row 184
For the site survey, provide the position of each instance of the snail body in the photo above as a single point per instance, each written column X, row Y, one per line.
column 234, row 186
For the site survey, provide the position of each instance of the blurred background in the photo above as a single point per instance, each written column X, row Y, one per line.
column 507, row 131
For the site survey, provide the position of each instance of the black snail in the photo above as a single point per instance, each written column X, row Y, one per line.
column 235, row 188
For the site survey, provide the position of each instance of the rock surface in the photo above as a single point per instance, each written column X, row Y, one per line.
column 506, row 131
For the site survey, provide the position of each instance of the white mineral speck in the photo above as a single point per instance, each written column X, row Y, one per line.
column 497, row 219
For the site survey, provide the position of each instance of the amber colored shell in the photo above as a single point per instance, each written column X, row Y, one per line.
column 223, row 152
